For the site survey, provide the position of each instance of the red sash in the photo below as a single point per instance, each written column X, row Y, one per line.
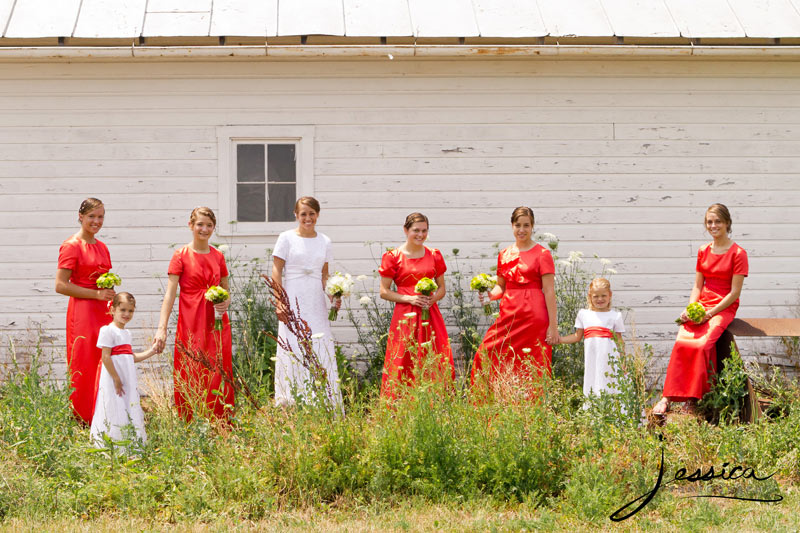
column 121, row 349
column 597, row 331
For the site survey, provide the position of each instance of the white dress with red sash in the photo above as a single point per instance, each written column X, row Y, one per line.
column 119, row 417
column 598, row 343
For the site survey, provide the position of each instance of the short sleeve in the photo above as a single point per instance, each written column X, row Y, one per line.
column 105, row 338
column 68, row 255
column 389, row 265
column 740, row 265
column 440, row 266
column 176, row 263
column 328, row 251
column 579, row 320
column 282, row 246
column 223, row 266
column 546, row 264
column 619, row 324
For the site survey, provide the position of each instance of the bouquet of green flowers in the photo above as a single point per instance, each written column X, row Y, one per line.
column 337, row 286
column 427, row 287
column 109, row 280
column 484, row 283
column 695, row 311
column 217, row 295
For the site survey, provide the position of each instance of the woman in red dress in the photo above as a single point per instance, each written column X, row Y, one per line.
column 410, row 338
column 721, row 269
column 522, row 336
column 195, row 267
column 81, row 260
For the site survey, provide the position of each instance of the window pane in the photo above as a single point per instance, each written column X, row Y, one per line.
column 280, row 163
column 281, row 202
column 250, row 203
column 250, row 162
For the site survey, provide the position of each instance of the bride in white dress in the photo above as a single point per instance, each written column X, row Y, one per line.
column 300, row 264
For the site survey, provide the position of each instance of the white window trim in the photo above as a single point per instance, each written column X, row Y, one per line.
column 227, row 138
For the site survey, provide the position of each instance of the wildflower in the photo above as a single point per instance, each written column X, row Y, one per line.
column 611, row 270
column 410, row 315
column 565, row 263
column 317, row 335
column 496, row 315
column 224, row 248
column 365, row 300
column 425, row 324
column 361, row 277
column 576, row 257
column 604, row 261
column 526, row 351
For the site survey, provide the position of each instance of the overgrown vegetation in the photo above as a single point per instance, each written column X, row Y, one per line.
column 547, row 462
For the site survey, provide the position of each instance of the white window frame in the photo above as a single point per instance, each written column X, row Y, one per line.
column 228, row 137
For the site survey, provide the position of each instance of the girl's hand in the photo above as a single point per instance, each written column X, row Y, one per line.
column 160, row 340
column 154, row 349
column 706, row 318
column 336, row 302
column 281, row 313
column 552, row 338
column 105, row 295
column 481, row 298
column 420, row 300
column 222, row 306
column 118, row 387
column 684, row 317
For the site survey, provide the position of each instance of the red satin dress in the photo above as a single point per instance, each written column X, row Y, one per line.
column 84, row 319
column 196, row 333
column 694, row 354
column 523, row 319
column 401, row 364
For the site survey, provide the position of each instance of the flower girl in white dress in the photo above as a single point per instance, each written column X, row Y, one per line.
column 600, row 328
column 117, row 404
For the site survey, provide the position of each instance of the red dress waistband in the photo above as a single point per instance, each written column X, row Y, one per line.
column 597, row 331
column 121, row 349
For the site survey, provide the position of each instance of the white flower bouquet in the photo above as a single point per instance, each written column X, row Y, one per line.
column 217, row 295
column 337, row 286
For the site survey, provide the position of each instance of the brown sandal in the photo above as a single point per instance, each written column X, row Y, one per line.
column 662, row 407
column 689, row 407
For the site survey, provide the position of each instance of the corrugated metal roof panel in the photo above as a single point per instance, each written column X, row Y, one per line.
column 311, row 17
column 245, row 18
column 767, row 18
column 495, row 20
column 640, row 18
column 102, row 19
column 368, row 18
column 561, row 21
column 43, row 18
column 709, row 18
column 176, row 24
column 443, row 18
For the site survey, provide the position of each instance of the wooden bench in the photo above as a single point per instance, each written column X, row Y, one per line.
column 753, row 327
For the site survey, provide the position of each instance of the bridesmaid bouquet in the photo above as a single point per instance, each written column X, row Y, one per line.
column 484, row 283
column 108, row 281
column 217, row 295
column 337, row 286
column 695, row 311
column 426, row 286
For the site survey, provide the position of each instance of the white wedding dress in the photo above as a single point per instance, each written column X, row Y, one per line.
column 302, row 280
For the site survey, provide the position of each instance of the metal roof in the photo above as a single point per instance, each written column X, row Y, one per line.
column 494, row 19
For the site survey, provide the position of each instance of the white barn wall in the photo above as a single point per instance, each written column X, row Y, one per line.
column 616, row 158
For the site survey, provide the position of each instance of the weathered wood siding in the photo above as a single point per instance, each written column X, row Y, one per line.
column 616, row 158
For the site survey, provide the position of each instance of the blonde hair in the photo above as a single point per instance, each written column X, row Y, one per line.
column 722, row 212
column 594, row 285
column 202, row 211
column 121, row 297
